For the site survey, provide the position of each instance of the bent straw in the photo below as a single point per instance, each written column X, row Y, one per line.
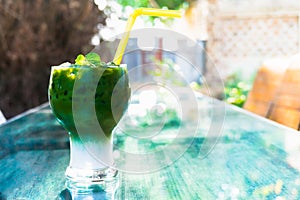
column 140, row 11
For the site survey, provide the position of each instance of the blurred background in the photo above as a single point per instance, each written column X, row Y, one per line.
column 239, row 36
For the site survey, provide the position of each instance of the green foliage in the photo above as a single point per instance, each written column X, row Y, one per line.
column 236, row 90
column 170, row 4
column 135, row 3
column 195, row 86
column 166, row 71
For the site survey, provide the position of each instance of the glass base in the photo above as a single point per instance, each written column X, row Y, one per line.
column 83, row 181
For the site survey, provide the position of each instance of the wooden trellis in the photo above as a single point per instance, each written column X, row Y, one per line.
column 246, row 40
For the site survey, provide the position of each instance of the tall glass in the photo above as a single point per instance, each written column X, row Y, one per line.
column 89, row 102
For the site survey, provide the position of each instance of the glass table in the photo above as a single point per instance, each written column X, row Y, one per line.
column 231, row 154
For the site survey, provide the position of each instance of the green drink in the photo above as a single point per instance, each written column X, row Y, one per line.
column 89, row 101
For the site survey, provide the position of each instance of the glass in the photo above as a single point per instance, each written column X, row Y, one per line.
column 89, row 102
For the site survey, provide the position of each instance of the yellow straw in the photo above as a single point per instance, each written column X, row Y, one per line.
column 140, row 11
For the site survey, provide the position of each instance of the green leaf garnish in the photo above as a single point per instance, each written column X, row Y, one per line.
column 80, row 60
column 91, row 59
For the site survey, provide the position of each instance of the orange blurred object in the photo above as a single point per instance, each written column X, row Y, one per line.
column 276, row 91
column 286, row 104
column 266, row 83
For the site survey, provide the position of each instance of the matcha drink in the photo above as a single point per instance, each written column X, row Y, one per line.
column 89, row 98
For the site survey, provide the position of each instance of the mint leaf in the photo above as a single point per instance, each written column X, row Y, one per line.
column 93, row 58
column 80, row 60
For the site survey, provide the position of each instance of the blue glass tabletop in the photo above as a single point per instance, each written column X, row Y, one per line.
column 226, row 153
